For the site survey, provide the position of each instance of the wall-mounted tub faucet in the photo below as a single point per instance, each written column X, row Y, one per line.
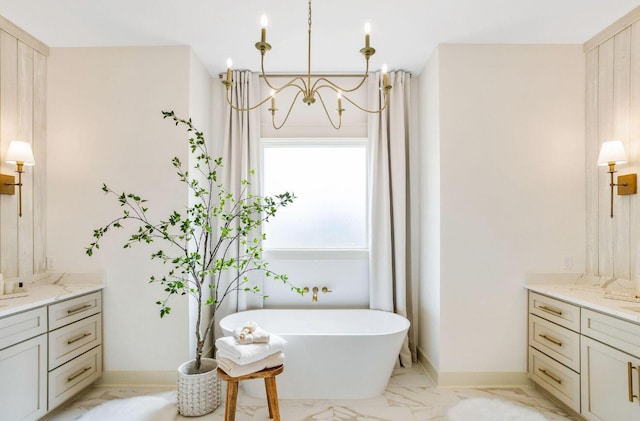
column 315, row 291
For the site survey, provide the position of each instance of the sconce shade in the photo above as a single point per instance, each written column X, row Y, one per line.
column 20, row 152
column 612, row 151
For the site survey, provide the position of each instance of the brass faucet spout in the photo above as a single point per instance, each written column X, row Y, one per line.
column 315, row 294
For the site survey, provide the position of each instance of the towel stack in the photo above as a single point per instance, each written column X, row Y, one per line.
column 249, row 350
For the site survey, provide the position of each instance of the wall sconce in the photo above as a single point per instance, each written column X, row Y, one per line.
column 612, row 153
column 19, row 153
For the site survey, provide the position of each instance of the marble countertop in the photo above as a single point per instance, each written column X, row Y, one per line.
column 595, row 295
column 48, row 288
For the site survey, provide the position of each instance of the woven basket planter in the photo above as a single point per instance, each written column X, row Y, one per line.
column 198, row 394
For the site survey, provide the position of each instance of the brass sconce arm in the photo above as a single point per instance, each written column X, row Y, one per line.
column 627, row 184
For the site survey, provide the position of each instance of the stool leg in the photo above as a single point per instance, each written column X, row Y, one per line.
column 232, row 398
column 272, row 398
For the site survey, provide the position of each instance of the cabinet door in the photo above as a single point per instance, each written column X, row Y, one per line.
column 610, row 383
column 23, row 380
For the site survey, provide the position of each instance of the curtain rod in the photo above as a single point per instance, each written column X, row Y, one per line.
column 291, row 75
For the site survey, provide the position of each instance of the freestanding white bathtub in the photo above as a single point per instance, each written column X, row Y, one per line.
column 330, row 354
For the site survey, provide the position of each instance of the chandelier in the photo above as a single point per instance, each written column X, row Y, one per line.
column 309, row 85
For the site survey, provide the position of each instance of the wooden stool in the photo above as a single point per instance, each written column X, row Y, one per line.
column 269, row 376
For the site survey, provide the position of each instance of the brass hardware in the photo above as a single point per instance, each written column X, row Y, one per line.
column 305, row 289
column 77, row 338
column 7, row 184
column 550, row 339
column 546, row 373
column 78, row 374
column 309, row 85
column 627, row 184
column 78, row 309
column 551, row 310
column 325, row 290
column 630, row 369
column 315, row 294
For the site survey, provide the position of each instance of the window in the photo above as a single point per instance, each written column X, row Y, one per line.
column 329, row 180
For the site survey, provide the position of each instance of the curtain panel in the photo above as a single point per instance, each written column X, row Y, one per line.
column 240, row 155
column 391, row 286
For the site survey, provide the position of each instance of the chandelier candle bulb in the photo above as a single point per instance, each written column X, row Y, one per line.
column 273, row 101
column 339, row 95
column 229, row 70
column 385, row 80
column 263, row 31
column 367, row 33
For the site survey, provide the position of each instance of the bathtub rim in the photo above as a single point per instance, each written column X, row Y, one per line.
column 406, row 324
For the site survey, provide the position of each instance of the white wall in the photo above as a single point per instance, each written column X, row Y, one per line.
column 105, row 125
column 512, row 196
column 429, row 293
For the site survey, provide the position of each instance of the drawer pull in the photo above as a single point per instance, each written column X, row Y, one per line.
column 630, row 369
column 546, row 373
column 78, row 374
column 78, row 309
column 551, row 310
column 550, row 339
column 77, row 338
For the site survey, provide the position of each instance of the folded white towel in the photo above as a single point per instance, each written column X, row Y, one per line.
column 257, row 336
column 236, row 370
column 245, row 354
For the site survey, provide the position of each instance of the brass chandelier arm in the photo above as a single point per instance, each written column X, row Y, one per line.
column 386, row 102
column 315, row 88
column 244, row 109
column 328, row 115
column 291, row 82
column 335, row 86
column 286, row 117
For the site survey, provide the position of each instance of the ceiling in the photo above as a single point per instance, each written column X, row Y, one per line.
column 404, row 32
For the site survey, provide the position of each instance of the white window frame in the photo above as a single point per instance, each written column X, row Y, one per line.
column 355, row 253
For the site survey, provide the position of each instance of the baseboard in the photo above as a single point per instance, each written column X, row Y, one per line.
column 427, row 366
column 473, row 378
column 483, row 379
column 138, row 378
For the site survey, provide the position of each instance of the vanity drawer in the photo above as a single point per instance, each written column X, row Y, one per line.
column 556, row 311
column 560, row 381
column 22, row 326
column 70, row 311
column 68, row 379
column 614, row 332
column 70, row 341
column 556, row 341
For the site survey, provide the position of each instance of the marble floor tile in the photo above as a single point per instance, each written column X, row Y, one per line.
column 410, row 396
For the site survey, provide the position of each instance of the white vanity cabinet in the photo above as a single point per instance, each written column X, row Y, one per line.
column 610, row 352
column 49, row 354
column 554, row 348
column 75, row 346
column 23, row 365
column 587, row 359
